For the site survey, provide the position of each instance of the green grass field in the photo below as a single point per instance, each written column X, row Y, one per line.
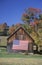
column 19, row 59
column 5, row 54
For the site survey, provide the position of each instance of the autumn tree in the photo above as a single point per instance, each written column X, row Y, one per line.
column 11, row 29
column 31, row 15
column 32, row 18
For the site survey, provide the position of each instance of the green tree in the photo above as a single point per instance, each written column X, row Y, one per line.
column 6, row 28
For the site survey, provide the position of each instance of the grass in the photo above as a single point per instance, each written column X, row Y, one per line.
column 19, row 59
column 17, row 55
column 5, row 54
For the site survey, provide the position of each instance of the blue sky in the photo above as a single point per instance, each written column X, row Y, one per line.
column 11, row 10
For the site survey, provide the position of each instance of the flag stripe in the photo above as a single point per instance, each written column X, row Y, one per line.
column 20, row 45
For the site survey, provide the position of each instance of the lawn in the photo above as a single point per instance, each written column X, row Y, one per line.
column 5, row 54
column 19, row 59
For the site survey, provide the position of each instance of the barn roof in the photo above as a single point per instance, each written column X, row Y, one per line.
column 20, row 27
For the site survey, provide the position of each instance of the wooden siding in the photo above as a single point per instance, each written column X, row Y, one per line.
column 20, row 32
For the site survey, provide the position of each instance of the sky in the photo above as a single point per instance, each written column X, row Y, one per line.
column 11, row 10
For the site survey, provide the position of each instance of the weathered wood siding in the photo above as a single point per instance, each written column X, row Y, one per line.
column 21, row 35
column 20, row 32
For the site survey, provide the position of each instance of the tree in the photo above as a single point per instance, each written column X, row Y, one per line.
column 33, row 21
column 11, row 29
column 40, row 16
column 5, row 29
column 31, row 17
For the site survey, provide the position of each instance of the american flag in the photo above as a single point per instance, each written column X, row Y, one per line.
column 20, row 45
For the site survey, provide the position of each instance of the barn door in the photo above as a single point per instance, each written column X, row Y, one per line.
column 30, row 47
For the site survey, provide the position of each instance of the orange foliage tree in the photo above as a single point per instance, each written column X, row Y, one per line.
column 11, row 29
column 31, row 16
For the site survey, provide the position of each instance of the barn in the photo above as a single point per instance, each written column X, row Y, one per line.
column 20, row 40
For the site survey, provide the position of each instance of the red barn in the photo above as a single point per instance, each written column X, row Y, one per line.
column 20, row 40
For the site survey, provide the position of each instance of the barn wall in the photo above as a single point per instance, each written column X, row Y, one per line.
column 14, row 37
column 20, row 32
